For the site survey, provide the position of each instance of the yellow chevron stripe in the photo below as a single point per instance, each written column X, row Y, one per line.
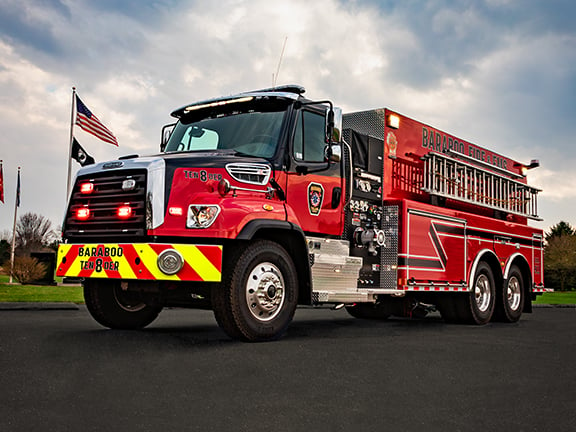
column 201, row 264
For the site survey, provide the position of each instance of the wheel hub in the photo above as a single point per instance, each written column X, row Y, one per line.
column 482, row 293
column 513, row 294
column 265, row 291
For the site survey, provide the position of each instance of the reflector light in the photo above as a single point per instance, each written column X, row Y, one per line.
column 87, row 188
column 124, row 212
column 83, row 213
column 176, row 211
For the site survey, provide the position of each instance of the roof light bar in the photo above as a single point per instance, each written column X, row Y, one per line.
column 218, row 103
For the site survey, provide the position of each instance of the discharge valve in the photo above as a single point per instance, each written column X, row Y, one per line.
column 370, row 239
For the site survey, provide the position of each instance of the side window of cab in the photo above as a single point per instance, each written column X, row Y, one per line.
column 309, row 137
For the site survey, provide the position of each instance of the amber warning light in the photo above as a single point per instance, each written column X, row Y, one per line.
column 176, row 211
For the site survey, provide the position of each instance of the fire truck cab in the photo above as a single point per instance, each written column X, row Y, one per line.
column 266, row 200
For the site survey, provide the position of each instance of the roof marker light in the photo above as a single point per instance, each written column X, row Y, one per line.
column 393, row 121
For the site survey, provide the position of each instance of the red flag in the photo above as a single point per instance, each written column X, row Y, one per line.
column 1, row 184
column 90, row 123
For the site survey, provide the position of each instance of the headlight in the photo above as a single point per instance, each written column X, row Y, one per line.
column 201, row 216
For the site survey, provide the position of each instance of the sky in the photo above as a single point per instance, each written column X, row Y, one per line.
column 497, row 73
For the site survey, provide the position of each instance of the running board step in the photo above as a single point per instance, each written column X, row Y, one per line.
column 351, row 295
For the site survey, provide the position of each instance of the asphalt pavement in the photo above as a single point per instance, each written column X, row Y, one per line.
column 331, row 372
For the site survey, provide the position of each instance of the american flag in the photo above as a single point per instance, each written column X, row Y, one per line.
column 90, row 123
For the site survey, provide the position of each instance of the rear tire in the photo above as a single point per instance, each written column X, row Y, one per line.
column 510, row 302
column 477, row 306
column 257, row 298
column 115, row 308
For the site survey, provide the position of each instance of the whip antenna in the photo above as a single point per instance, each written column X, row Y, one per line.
column 275, row 76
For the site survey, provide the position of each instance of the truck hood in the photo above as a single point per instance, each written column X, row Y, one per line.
column 172, row 161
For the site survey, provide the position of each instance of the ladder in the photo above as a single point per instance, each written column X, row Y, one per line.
column 451, row 178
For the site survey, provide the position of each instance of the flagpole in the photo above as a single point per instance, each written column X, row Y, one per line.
column 14, row 226
column 70, row 143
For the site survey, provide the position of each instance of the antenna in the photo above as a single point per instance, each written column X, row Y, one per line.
column 275, row 76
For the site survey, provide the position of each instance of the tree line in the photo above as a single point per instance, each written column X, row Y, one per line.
column 35, row 233
column 560, row 258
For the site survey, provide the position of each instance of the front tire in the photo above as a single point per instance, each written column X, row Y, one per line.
column 257, row 298
column 115, row 308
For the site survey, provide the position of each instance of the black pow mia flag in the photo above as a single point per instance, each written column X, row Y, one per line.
column 80, row 155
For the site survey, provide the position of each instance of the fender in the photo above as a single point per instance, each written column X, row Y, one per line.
column 294, row 242
column 511, row 260
column 252, row 227
column 479, row 256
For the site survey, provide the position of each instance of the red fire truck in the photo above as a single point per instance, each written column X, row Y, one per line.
column 266, row 200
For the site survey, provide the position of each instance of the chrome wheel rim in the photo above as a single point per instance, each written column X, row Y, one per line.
column 128, row 301
column 513, row 293
column 265, row 291
column 482, row 293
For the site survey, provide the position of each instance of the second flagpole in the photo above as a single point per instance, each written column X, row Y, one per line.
column 16, row 205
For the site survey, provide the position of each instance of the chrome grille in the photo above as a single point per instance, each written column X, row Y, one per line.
column 108, row 194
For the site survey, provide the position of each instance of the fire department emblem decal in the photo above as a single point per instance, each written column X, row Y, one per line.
column 315, row 198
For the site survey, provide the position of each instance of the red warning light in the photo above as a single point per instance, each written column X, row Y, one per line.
column 87, row 188
column 124, row 212
column 83, row 213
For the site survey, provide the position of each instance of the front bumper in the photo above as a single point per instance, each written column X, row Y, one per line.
column 201, row 263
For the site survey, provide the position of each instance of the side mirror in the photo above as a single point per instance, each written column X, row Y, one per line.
column 166, row 133
column 333, row 125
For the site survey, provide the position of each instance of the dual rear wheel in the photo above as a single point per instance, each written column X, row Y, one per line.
column 486, row 301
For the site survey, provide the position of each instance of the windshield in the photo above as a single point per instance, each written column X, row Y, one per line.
column 252, row 129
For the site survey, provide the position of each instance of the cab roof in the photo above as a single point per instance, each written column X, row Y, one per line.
column 291, row 91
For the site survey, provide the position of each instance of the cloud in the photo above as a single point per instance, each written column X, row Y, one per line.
column 498, row 73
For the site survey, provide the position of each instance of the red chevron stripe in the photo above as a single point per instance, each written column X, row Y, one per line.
column 212, row 254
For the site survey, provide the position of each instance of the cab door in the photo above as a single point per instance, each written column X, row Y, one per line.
column 314, row 190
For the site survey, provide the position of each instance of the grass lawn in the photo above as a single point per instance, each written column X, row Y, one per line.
column 557, row 298
column 39, row 293
column 73, row 294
